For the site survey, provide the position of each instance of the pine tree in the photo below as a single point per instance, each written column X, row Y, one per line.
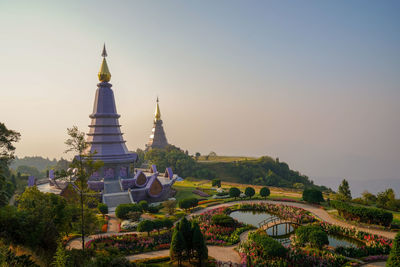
column 394, row 257
column 199, row 247
column 178, row 246
column 344, row 191
column 186, row 229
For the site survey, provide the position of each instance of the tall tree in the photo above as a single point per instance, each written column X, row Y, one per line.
column 83, row 166
column 199, row 247
column 186, row 229
column 7, row 138
column 178, row 246
column 344, row 191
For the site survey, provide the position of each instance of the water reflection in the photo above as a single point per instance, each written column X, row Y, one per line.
column 283, row 232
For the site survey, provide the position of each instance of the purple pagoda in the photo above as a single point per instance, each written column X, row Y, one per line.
column 157, row 137
column 105, row 137
column 118, row 181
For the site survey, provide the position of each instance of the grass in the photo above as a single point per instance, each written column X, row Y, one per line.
column 185, row 188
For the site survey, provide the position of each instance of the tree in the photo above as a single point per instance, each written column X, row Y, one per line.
column 84, row 165
column 144, row 205
column 199, row 247
column 394, row 257
column 186, row 229
column 264, row 192
column 29, row 170
column 146, row 226
column 168, row 223
column 7, row 138
column 249, row 191
column 188, row 203
column 170, row 205
column 177, row 247
column 61, row 257
column 216, row 182
column 344, row 192
column 312, row 195
column 368, row 197
column 197, row 155
column 103, row 208
column 158, row 224
column 386, row 199
column 234, row 192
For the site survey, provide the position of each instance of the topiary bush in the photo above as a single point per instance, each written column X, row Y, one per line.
column 264, row 192
column 313, row 196
column 249, row 192
column 223, row 220
column 271, row 248
column 123, row 209
column 312, row 235
column 103, row 208
column 234, row 192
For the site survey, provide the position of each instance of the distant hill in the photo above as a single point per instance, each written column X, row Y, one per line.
column 38, row 162
column 257, row 171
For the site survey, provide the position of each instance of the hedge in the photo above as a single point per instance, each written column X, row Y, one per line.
column 123, row 209
column 363, row 214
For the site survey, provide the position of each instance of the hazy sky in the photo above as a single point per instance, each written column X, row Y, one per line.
column 315, row 83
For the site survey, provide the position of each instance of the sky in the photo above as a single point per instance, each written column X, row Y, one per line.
column 315, row 83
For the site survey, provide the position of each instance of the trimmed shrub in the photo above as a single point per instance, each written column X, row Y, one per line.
column 216, row 182
column 249, row 191
column 123, row 209
column 234, row 192
column 144, row 205
column 271, row 248
column 264, row 192
column 222, row 220
column 363, row 214
column 312, row 195
column 146, row 226
column 188, row 203
column 103, row 208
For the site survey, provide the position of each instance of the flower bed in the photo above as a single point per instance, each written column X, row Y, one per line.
column 374, row 244
column 130, row 243
column 286, row 212
column 253, row 254
column 217, row 234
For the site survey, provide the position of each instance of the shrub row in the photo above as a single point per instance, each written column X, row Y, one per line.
column 363, row 214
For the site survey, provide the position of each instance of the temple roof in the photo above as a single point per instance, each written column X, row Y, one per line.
column 157, row 113
column 104, row 73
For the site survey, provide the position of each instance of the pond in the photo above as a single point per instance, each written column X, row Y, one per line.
column 254, row 218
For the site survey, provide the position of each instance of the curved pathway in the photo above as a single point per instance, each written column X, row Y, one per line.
column 228, row 253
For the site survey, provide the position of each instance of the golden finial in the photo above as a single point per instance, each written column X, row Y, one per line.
column 104, row 73
column 157, row 113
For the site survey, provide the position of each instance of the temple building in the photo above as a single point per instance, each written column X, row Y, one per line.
column 118, row 181
column 105, row 138
column 157, row 137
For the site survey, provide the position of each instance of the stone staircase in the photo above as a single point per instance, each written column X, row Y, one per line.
column 113, row 195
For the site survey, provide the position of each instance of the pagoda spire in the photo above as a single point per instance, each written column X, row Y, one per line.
column 104, row 74
column 157, row 113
